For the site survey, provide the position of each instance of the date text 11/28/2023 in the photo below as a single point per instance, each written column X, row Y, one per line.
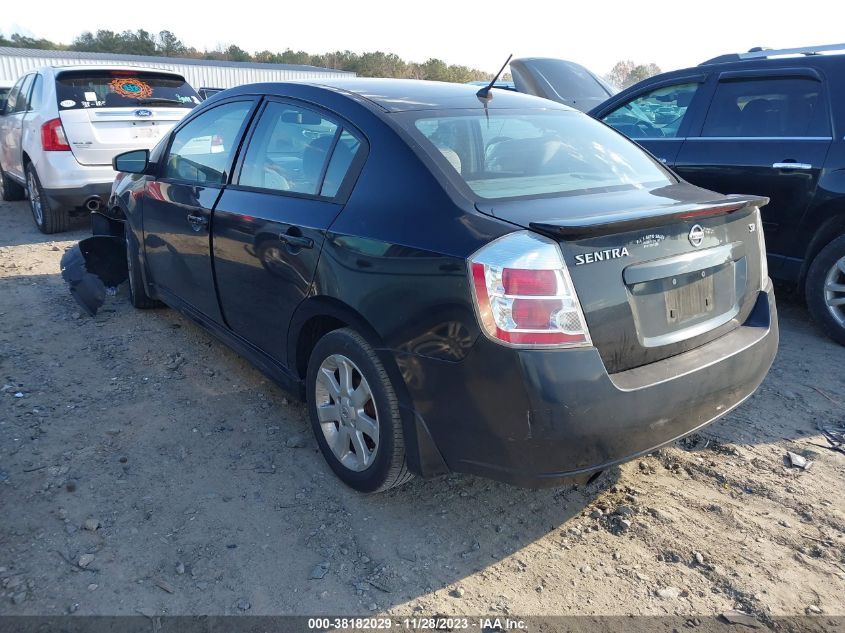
column 419, row 623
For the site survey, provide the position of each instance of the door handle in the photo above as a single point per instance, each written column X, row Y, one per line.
column 296, row 241
column 197, row 222
column 788, row 165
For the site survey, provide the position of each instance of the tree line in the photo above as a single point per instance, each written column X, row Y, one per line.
column 374, row 64
column 167, row 44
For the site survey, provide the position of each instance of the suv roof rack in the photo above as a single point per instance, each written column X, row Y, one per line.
column 764, row 53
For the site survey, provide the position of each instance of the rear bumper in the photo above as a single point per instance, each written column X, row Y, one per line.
column 540, row 418
column 69, row 184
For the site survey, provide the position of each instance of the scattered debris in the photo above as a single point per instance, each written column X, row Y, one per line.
column 798, row 461
column 741, row 618
column 298, row 440
column 668, row 593
column 85, row 560
column 164, row 585
column 92, row 524
column 320, row 570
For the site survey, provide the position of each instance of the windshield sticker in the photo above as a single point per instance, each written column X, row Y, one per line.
column 133, row 88
column 90, row 96
column 68, row 103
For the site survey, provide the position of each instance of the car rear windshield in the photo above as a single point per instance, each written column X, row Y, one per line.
column 514, row 154
column 122, row 89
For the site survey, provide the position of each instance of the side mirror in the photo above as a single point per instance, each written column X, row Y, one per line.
column 134, row 162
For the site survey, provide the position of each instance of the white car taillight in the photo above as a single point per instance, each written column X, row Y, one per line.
column 523, row 293
column 761, row 241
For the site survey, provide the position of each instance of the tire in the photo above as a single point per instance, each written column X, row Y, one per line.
column 9, row 189
column 348, row 421
column 824, row 288
column 47, row 217
column 138, row 296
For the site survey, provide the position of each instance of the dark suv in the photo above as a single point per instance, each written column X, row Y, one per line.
column 765, row 122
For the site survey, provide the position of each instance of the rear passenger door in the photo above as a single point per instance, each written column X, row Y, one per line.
column 764, row 133
column 658, row 118
column 269, row 225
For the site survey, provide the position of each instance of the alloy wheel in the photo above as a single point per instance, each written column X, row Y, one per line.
column 347, row 412
column 834, row 291
column 35, row 199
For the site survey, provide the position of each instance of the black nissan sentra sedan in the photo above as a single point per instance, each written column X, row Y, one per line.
column 500, row 286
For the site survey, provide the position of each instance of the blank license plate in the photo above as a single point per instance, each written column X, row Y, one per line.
column 690, row 300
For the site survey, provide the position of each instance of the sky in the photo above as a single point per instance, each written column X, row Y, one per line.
column 476, row 34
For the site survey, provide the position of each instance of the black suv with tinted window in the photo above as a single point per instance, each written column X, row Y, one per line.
column 765, row 122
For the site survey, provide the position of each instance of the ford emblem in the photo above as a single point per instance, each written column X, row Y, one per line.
column 143, row 113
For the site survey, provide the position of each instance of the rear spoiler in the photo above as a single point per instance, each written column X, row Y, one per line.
column 605, row 224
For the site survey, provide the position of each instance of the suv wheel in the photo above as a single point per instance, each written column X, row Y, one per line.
column 47, row 218
column 825, row 289
column 138, row 296
column 355, row 413
column 9, row 189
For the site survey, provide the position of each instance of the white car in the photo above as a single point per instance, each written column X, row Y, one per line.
column 60, row 127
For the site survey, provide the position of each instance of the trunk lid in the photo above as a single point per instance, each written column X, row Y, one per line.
column 98, row 135
column 658, row 272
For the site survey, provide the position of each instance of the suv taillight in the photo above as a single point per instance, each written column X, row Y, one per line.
column 53, row 137
column 523, row 293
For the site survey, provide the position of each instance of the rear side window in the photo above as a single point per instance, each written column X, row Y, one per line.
column 201, row 150
column 289, row 150
column 656, row 114
column 767, row 108
column 344, row 153
column 36, row 93
column 122, row 89
column 513, row 154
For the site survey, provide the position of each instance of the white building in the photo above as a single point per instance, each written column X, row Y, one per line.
column 200, row 73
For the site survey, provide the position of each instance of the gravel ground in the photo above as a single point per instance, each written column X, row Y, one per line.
column 145, row 468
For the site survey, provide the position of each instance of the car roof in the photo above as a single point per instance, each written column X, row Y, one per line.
column 403, row 95
column 732, row 61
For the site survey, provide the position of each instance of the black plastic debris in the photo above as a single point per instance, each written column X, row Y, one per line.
column 92, row 266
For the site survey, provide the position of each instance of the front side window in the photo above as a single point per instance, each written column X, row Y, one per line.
column 767, row 108
column 289, row 150
column 21, row 100
column 12, row 99
column 656, row 114
column 200, row 151
column 512, row 154
column 85, row 89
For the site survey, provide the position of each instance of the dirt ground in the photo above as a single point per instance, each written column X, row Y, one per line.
column 145, row 468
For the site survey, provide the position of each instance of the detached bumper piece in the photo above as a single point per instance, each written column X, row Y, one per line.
column 92, row 266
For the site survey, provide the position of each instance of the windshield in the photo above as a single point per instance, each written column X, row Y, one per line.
column 513, row 154
column 122, row 89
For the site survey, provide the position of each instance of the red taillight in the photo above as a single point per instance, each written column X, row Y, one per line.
column 538, row 283
column 53, row 137
column 523, row 293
